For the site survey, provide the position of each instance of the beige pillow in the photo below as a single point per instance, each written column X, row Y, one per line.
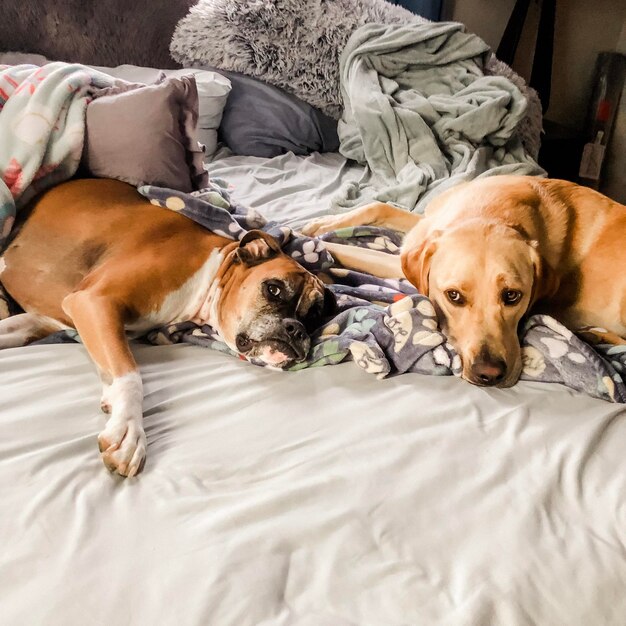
column 146, row 134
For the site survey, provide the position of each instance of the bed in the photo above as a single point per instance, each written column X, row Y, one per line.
column 322, row 497
column 314, row 497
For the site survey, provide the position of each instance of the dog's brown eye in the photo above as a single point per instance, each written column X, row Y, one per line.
column 455, row 297
column 511, row 296
column 274, row 290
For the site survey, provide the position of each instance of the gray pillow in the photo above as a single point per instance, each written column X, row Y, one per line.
column 213, row 90
column 146, row 134
column 265, row 121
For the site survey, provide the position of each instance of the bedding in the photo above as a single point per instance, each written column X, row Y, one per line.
column 213, row 92
column 265, row 121
column 146, row 134
column 292, row 44
column 310, row 498
column 287, row 188
column 297, row 44
column 213, row 89
column 307, row 499
column 42, row 121
column 419, row 111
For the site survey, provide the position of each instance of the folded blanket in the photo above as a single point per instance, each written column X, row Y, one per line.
column 42, row 125
column 383, row 325
column 421, row 114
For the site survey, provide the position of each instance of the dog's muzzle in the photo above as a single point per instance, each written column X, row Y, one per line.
column 288, row 344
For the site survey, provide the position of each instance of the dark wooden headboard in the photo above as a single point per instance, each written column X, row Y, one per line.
column 95, row 32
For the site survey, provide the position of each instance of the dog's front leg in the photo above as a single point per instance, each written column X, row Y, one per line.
column 375, row 262
column 595, row 335
column 100, row 324
column 374, row 214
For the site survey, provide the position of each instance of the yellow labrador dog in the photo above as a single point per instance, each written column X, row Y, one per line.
column 489, row 251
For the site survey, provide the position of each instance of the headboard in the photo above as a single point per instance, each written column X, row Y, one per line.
column 95, row 32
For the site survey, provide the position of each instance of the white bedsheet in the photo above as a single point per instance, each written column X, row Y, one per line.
column 288, row 188
column 315, row 498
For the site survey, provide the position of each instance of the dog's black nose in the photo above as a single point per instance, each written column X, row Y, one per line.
column 489, row 372
column 295, row 329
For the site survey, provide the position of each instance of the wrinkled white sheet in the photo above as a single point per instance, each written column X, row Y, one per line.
column 316, row 498
column 288, row 188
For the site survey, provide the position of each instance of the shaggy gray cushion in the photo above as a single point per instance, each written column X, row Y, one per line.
column 293, row 44
column 296, row 45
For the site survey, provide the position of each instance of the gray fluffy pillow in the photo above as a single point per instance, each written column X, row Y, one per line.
column 293, row 44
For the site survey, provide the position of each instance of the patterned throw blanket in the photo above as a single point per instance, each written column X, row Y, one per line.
column 383, row 325
column 42, row 126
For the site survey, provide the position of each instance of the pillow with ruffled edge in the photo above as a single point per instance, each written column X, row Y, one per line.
column 146, row 134
column 213, row 92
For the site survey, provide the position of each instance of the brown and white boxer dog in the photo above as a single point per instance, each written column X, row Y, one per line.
column 96, row 256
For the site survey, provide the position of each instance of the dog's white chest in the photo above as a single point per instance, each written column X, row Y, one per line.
column 184, row 303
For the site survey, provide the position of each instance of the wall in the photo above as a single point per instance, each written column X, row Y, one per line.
column 583, row 28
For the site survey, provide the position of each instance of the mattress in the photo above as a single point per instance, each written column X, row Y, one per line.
column 315, row 498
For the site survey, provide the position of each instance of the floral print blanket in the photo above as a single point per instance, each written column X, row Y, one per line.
column 42, row 126
column 383, row 325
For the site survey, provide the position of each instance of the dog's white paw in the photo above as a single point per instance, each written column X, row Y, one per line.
column 123, row 445
column 322, row 225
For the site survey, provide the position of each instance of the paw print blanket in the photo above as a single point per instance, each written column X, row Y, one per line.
column 383, row 325
column 42, row 128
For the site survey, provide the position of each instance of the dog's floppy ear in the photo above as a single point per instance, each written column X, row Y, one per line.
column 330, row 303
column 310, row 294
column 416, row 262
column 255, row 247
column 311, row 309
column 546, row 281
